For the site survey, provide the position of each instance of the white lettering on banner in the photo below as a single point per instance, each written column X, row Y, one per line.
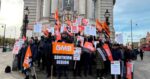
column 67, row 48
column 63, row 57
column 62, row 62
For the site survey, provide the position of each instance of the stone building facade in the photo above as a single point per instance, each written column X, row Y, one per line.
column 43, row 10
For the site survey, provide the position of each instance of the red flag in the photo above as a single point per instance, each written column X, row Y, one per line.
column 108, row 52
column 27, row 60
column 98, row 25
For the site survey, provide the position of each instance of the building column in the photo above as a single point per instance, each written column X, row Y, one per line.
column 54, row 6
column 38, row 10
column 76, row 5
column 98, row 10
column 46, row 8
column 90, row 9
column 82, row 7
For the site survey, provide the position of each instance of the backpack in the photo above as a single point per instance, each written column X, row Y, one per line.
column 8, row 69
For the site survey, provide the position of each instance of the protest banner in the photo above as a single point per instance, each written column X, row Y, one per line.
column 63, row 48
column 37, row 28
column 17, row 46
column 93, row 31
column 74, row 29
column 115, row 68
column 85, row 21
column 87, row 30
column 90, row 30
column 77, row 53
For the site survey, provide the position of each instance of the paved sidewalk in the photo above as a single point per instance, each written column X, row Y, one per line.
column 141, row 68
column 6, row 59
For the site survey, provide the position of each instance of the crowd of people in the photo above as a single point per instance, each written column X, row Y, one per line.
column 92, row 62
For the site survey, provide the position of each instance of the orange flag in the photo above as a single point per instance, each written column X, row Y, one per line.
column 56, row 16
column 26, row 63
column 98, row 25
column 108, row 52
column 106, row 28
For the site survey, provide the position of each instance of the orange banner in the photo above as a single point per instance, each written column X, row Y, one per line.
column 63, row 48
column 108, row 52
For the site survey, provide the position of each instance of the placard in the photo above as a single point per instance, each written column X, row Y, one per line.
column 77, row 54
column 38, row 28
column 115, row 68
column 81, row 39
column 63, row 48
column 74, row 29
column 17, row 46
column 87, row 30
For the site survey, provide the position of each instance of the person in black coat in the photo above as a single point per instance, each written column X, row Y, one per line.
column 141, row 54
column 116, row 53
column 48, row 54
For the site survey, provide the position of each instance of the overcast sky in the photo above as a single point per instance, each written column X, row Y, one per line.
column 11, row 14
column 138, row 11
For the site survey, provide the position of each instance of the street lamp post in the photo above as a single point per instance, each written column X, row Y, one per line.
column 131, row 36
column 25, row 21
column 107, row 15
column 4, row 26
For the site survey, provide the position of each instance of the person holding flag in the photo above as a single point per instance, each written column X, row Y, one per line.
column 28, row 63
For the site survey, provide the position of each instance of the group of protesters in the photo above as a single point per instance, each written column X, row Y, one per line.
column 43, row 57
column 95, row 58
